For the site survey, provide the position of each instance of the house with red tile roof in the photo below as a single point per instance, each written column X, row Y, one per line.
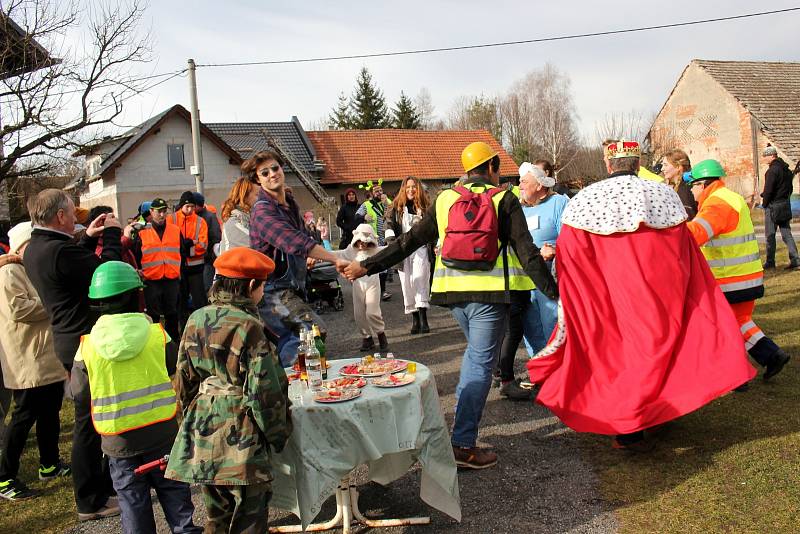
column 351, row 157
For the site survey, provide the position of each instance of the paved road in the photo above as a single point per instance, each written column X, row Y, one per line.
column 541, row 484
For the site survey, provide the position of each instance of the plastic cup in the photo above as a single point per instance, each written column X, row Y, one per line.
column 412, row 367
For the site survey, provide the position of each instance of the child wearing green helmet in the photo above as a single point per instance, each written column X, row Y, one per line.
column 127, row 362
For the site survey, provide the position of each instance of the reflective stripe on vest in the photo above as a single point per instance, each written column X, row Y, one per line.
column 132, row 393
column 449, row 280
column 161, row 257
column 194, row 258
column 734, row 253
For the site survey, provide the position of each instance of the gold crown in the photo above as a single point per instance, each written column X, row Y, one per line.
column 623, row 149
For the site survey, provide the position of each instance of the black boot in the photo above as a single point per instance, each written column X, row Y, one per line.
column 383, row 343
column 367, row 344
column 423, row 321
column 415, row 322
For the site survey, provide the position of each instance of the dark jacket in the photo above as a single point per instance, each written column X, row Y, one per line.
column 687, row 199
column 346, row 220
column 61, row 272
column 512, row 230
column 214, row 232
column 777, row 182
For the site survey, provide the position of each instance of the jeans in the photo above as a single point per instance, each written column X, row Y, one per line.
column 135, row 504
column 541, row 318
column 786, row 234
column 283, row 313
column 483, row 326
column 40, row 405
column 208, row 275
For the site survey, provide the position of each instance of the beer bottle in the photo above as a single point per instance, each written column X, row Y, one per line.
column 302, row 350
column 321, row 348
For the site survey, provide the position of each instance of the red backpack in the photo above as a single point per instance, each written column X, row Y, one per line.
column 470, row 239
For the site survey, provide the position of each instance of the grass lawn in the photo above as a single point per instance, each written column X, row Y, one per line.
column 732, row 466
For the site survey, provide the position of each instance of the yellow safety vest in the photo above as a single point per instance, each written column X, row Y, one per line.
column 449, row 280
column 735, row 253
column 132, row 393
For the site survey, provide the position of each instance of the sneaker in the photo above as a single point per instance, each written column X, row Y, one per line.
column 367, row 344
column 781, row 359
column 54, row 471
column 743, row 388
column 109, row 509
column 792, row 267
column 386, row 295
column 14, row 490
column 513, row 391
column 474, row 457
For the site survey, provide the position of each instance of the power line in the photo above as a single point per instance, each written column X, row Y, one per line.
column 498, row 44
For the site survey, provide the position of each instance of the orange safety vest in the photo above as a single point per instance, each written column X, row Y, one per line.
column 196, row 229
column 161, row 257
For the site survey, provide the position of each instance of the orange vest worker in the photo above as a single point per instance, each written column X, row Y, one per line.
column 161, row 257
column 194, row 228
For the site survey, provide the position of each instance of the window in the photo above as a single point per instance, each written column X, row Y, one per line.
column 175, row 157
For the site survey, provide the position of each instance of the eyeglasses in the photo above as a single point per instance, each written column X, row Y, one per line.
column 273, row 168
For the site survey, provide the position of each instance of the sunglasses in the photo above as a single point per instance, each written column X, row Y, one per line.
column 273, row 168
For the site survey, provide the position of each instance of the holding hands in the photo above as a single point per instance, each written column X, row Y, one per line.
column 350, row 270
column 548, row 251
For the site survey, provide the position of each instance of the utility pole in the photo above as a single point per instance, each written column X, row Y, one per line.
column 197, row 147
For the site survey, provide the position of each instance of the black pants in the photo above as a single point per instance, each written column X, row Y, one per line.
column 382, row 278
column 514, row 334
column 161, row 298
column 91, row 479
column 191, row 285
column 40, row 405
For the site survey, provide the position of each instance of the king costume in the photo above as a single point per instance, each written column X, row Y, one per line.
column 644, row 335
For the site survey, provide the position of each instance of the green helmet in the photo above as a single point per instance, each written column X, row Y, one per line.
column 706, row 169
column 113, row 278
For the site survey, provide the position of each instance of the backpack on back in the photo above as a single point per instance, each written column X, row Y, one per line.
column 471, row 237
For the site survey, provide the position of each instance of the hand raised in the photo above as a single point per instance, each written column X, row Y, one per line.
column 95, row 228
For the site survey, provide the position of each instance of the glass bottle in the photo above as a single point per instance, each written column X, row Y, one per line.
column 302, row 349
column 313, row 363
column 321, row 348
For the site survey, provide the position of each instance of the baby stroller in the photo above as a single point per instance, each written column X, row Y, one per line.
column 324, row 288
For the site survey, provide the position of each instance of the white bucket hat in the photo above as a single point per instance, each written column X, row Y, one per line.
column 529, row 168
column 19, row 235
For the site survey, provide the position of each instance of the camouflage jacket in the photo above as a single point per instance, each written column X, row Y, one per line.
column 234, row 397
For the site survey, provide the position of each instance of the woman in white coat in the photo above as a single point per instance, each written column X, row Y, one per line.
column 407, row 209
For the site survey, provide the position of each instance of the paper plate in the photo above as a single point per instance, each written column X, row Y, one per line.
column 394, row 381
column 378, row 368
column 326, row 397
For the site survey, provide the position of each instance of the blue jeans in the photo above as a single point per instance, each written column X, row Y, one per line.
column 134, row 496
column 283, row 313
column 484, row 326
column 770, row 228
column 539, row 322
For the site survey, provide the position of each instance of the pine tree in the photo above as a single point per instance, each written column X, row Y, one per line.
column 405, row 114
column 340, row 119
column 367, row 106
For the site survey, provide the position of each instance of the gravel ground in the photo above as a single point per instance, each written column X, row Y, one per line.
column 540, row 484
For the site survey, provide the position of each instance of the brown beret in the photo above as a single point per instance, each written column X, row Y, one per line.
column 244, row 263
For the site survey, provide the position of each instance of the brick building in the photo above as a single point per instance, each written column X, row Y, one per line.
column 729, row 111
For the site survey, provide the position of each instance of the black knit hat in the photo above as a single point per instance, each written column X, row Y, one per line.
column 187, row 197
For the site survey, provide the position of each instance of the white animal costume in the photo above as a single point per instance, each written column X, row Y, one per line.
column 367, row 289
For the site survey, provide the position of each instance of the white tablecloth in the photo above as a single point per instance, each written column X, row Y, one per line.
column 386, row 428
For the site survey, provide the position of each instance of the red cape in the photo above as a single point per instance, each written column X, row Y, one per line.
column 644, row 333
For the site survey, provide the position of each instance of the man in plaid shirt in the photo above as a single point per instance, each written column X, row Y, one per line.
column 277, row 230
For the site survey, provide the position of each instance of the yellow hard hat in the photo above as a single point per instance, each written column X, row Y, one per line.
column 475, row 154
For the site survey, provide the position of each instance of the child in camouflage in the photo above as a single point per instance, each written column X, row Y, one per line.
column 233, row 393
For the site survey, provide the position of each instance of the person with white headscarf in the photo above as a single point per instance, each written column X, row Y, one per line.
column 535, row 322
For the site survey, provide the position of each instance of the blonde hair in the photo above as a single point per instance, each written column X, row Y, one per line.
column 679, row 158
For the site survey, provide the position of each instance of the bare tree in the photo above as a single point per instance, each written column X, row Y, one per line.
column 476, row 113
column 424, row 104
column 75, row 86
column 621, row 125
column 538, row 117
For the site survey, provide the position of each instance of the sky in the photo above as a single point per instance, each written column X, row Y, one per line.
column 615, row 74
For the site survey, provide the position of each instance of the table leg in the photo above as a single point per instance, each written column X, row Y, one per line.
column 347, row 510
column 381, row 522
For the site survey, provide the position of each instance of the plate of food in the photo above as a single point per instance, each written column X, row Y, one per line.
column 393, row 381
column 373, row 368
column 345, row 382
column 329, row 396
